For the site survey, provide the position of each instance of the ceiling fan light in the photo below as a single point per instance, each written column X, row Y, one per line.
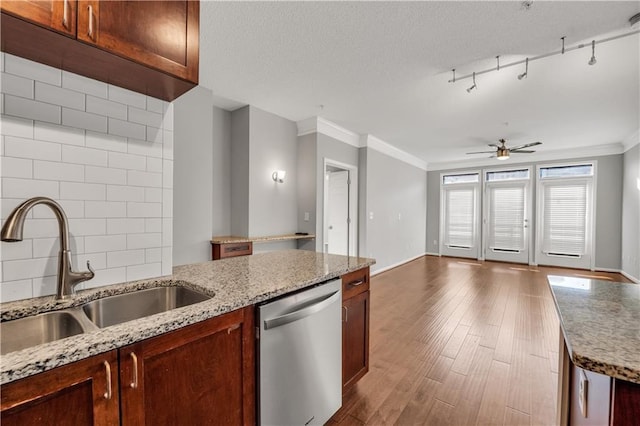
column 502, row 154
column 503, row 157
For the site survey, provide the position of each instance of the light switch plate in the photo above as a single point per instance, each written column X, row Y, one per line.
column 583, row 393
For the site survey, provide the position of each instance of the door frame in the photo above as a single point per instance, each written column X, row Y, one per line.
column 529, row 213
column 352, row 191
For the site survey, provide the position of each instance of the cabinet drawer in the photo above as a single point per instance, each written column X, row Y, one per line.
column 221, row 251
column 355, row 283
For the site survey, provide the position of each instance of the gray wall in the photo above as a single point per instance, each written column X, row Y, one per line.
column 307, row 188
column 221, row 213
column 608, row 208
column 397, row 197
column 240, row 139
column 193, row 169
column 631, row 213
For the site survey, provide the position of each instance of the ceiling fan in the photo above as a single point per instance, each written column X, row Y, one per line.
column 501, row 151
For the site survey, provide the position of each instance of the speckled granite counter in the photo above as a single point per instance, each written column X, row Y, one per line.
column 285, row 237
column 600, row 321
column 235, row 283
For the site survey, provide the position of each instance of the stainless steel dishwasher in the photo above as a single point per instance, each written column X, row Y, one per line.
column 300, row 352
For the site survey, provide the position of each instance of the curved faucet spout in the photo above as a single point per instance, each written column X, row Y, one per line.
column 12, row 232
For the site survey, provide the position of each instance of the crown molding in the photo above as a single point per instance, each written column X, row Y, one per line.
column 560, row 154
column 631, row 140
column 390, row 150
column 328, row 128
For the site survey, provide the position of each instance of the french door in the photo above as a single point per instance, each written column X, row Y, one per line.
column 460, row 201
column 507, row 213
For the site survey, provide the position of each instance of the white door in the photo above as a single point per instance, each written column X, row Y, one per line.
column 459, row 215
column 337, row 232
column 506, row 221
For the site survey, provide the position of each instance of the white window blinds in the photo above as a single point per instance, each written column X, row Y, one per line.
column 565, row 217
column 506, row 217
column 459, row 229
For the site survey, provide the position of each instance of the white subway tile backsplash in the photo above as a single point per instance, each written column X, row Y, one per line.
column 29, row 148
column 126, row 226
column 88, row 156
column 144, row 209
column 127, row 161
column 147, row 118
column 33, row 70
column 106, row 209
column 128, row 97
column 83, row 84
column 125, row 258
column 147, row 240
column 58, row 96
column 125, row 193
column 139, row 272
column 56, row 133
column 105, row 243
column 16, row 126
column 17, row 86
column 105, row 175
column 27, row 188
column 51, row 170
column 126, row 129
column 84, row 120
column 106, row 142
column 35, row 110
column 147, row 179
column 82, row 191
column 105, row 107
column 17, row 167
column 97, row 150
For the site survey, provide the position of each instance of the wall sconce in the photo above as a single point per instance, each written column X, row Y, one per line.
column 278, row 176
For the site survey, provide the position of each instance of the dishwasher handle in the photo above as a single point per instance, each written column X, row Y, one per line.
column 322, row 302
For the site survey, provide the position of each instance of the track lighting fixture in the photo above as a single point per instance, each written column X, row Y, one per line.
column 474, row 84
column 526, row 70
column 593, row 61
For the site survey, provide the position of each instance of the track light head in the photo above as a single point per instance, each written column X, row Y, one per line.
column 521, row 76
column 593, row 61
column 526, row 70
column 471, row 88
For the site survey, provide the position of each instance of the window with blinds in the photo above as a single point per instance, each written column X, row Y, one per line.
column 459, row 216
column 506, row 217
column 564, row 216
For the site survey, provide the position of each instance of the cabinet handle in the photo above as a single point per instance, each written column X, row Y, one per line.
column 346, row 313
column 134, row 382
column 65, row 14
column 90, row 32
column 357, row 283
column 107, row 367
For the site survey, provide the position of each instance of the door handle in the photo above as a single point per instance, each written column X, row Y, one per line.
column 318, row 305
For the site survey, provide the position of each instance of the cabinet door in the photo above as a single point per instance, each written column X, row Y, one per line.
column 82, row 393
column 201, row 374
column 355, row 339
column 52, row 14
column 160, row 34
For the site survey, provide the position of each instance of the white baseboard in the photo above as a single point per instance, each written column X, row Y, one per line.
column 631, row 277
column 395, row 265
column 619, row 271
column 432, row 254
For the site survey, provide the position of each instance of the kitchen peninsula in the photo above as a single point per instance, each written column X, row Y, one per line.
column 599, row 365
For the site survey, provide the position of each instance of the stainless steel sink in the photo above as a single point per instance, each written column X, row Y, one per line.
column 43, row 328
column 129, row 306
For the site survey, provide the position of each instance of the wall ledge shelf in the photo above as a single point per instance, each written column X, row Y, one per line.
column 230, row 246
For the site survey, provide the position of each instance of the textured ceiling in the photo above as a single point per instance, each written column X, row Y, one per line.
column 382, row 68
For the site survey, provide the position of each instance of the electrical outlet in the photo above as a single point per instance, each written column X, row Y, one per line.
column 370, row 215
column 306, row 216
column 435, row 242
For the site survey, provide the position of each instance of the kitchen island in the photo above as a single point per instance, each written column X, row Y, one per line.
column 599, row 364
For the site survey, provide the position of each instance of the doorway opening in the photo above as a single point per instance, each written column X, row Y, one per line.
column 340, row 213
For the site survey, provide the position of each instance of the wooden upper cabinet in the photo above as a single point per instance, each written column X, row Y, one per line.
column 159, row 34
column 57, row 15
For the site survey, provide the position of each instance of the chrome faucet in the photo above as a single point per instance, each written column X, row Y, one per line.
column 12, row 232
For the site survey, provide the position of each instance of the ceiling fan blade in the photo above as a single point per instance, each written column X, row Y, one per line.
column 527, row 145
column 481, row 152
column 493, row 144
column 522, row 151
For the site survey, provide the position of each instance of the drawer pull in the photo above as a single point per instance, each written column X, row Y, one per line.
column 236, row 248
column 357, row 283
column 134, row 382
column 107, row 367
column 65, row 14
column 90, row 32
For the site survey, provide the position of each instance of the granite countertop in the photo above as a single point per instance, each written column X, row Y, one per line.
column 285, row 237
column 600, row 321
column 235, row 283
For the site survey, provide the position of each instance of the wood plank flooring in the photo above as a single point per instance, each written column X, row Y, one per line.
column 460, row 342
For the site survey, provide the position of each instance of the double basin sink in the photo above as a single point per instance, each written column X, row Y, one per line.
column 100, row 313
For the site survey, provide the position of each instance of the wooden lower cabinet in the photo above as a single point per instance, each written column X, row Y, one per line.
column 201, row 374
column 224, row 250
column 355, row 327
column 81, row 393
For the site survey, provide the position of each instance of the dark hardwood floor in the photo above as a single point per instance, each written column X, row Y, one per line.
column 460, row 342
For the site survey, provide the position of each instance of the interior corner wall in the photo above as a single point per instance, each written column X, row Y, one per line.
column 362, row 201
column 397, row 199
column 221, row 212
column 307, row 189
column 433, row 212
column 240, row 171
column 631, row 213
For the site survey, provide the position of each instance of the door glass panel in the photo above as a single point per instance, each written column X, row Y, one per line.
column 459, row 217
column 506, row 218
